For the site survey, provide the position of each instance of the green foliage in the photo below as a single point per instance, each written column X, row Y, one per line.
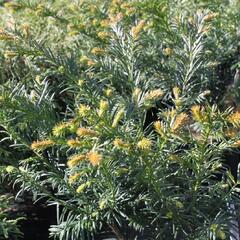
column 8, row 226
column 79, row 82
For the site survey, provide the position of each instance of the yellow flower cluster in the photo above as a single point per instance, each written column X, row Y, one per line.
column 12, row 5
column 167, row 51
column 75, row 160
column 198, row 113
column 84, row 110
column 84, row 59
column 234, row 118
column 94, row 158
column 5, row 36
column 103, row 108
column 119, row 143
column 73, row 178
column 176, row 92
column 137, row 29
column 91, row 63
column 10, row 54
column 86, row 132
column 209, row 17
column 159, row 127
column 128, row 8
column 136, row 94
column 236, row 144
column 102, row 204
column 103, row 35
column 60, row 129
column 9, row 169
column 74, row 143
column 119, row 115
column 41, row 145
column 97, row 51
column 180, row 121
column 153, row 95
column 105, row 23
column 26, row 29
column 231, row 132
column 109, row 92
column 83, row 186
column 144, row 144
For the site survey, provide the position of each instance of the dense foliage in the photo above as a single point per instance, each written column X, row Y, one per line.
column 9, row 227
column 116, row 112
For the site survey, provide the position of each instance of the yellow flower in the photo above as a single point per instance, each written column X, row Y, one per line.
column 234, row 118
column 209, row 17
column 38, row 79
column 109, row 92
column 167, row 51
column 153, row 95
column 197, row 113
column 95, row 22
column 136, row 94
column 82, row 187
column 117, row 18
column 10, row 54
column 92, row 8
column 12, row 5
column 84, row 59
column 102, row 204
column 173, row 157
column 91, row 63
column 80, row 82
column 103, row 35
column 103, row 108
column 137, row 29
column 144, row 144
column 236, row 144
column 119, row 143
column 176, row 92
column 86, row 132
column 180, row 121
column 179, row 204
column 26, row 29
column 97, row 51
column 159, row 127
column 130, row 11
column 60, row 129
column 125, row 5
column 169, row 215
column 75, row 160
column 191, row 20
column 84, row 110
column 5, row 36
column 41, row 145
column 231, row 133
column 94, row 158
column 205, row 29
column 116, row 2
column 74, row 143
column 10, row 169
column 178, row 103
column 105, row 23
column 73, row 178
column 119, row 115
column 221, row 234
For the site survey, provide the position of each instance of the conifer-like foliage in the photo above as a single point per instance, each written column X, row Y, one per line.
column 8, row 226
column 108, row 110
